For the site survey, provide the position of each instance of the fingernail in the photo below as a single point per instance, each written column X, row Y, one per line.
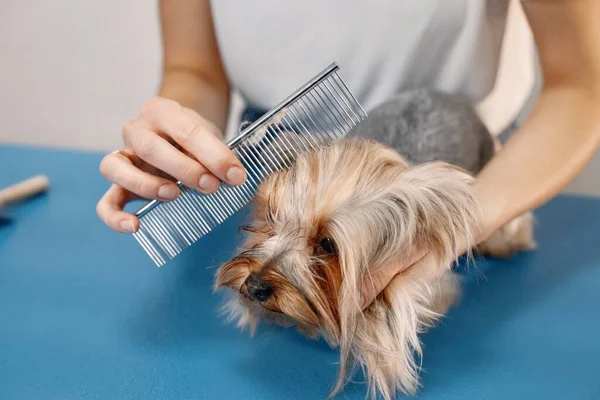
column 208, row 183
column 168, row 192
column 236, row 176
column 127, row 226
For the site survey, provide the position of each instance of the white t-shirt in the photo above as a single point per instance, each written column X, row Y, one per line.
column 271, row 47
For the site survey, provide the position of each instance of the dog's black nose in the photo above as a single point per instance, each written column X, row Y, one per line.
column 258, row 289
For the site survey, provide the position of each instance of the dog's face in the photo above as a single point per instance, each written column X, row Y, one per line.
column 321, row 227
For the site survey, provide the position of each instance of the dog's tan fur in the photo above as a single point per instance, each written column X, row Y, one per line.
column 378, row 210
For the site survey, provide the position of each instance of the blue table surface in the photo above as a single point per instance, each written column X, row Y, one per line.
column 84, row 314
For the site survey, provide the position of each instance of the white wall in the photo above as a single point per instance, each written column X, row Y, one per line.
column 72, row 72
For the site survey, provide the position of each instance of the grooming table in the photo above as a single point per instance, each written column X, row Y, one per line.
column 84, row 314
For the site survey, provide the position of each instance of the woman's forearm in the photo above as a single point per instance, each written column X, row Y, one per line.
column 193, row 73
column 553, row 145
column 194, row 92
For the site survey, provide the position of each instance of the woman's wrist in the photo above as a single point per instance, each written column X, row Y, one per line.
column 209, row 99
column 491, row 211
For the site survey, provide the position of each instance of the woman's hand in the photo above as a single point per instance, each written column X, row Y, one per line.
column 375, row 283
column 166, row 143
column 423, row 263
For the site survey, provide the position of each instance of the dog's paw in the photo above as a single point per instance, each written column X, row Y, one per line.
column 516, row 236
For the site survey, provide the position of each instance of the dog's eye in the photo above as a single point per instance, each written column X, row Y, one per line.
column 327, row 245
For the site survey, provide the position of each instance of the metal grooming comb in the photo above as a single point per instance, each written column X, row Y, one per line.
column 318, row 113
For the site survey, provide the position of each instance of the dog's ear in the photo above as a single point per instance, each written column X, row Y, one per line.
column 386, row 344
column 438, row 208
column 431, row 208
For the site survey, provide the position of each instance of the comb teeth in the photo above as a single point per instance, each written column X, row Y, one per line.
column 320, row 112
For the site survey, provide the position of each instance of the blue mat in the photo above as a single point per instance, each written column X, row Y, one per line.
column 85, row 315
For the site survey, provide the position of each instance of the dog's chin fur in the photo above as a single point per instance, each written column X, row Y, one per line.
column 378, row 210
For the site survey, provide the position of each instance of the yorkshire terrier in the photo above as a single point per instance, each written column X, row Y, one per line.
column 399, row 183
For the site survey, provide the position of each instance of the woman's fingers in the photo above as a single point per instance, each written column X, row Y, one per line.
column 158, row 152
column 166, row 139
column 195, row 135
column 376, row 282
column 119, row 170
column 110, row 210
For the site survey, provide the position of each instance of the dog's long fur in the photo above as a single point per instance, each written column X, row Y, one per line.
column 393, row 188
